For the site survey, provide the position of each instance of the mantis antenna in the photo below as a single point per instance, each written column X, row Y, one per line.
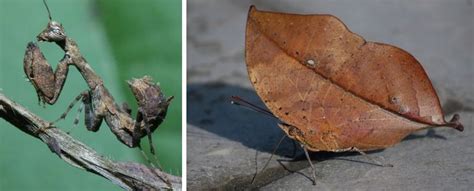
column 47, row 8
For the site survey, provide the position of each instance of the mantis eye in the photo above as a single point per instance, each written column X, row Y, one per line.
column 55, row 31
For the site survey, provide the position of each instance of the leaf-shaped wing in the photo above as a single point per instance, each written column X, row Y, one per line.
column 337, row 89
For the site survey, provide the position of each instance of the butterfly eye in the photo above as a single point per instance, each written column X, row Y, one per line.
column 55, row 31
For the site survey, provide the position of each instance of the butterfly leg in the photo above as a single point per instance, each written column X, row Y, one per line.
column 375, row 161
column 269, row 159
column 313, row 170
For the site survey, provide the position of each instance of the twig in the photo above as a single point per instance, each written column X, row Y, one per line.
column 129, row 176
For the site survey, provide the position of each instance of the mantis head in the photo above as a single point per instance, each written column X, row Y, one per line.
column 54, row 32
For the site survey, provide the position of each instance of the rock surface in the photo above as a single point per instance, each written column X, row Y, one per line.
column 226, row 143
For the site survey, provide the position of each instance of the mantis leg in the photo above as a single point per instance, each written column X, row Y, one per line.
column 138, row 127
column 125, row 108
column 71, row 105
column 48, row 85
column 94, row 112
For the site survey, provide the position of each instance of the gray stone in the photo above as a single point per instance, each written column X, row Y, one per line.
column 440, row 159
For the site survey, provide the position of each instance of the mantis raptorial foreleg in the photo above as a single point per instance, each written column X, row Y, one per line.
column 48, row 85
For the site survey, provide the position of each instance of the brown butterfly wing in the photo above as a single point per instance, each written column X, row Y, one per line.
column 337, row 89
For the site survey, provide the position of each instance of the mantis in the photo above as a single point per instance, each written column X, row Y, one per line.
column 99, row 104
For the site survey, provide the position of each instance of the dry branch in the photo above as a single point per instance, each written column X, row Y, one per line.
column 129, row 176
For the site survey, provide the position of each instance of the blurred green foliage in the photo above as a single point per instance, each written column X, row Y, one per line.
column 121, row 40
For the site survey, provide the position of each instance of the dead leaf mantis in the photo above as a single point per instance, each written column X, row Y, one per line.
column 99, row 104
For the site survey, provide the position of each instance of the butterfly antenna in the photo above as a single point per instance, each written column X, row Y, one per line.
column 236, row 100
column 47, row 8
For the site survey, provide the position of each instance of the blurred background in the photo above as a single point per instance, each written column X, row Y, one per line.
column 120, row 40
column 227, row 143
